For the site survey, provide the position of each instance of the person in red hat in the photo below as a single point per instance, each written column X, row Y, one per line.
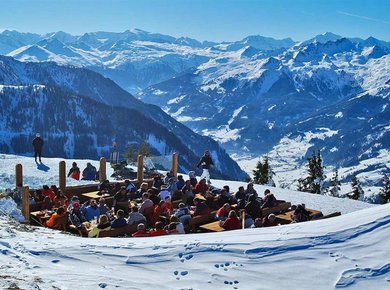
column 76, row 217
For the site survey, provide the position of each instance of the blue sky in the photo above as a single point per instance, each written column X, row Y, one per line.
column 215, row 20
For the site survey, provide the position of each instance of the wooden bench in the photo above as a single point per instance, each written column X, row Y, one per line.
column 196, row 221
column 333, row 214
column 212, row 227
column 286, row 218
column 284, row 206
column 126, row 230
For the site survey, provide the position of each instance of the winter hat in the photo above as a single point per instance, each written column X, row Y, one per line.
column 38, row 135
column 76, row 205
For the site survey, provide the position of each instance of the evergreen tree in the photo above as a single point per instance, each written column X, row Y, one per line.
column 314, row 182
column 335, row 185
column 385, row 190
column 357, row 192
column 129, row 153
column 263, row 173
column 144, row 149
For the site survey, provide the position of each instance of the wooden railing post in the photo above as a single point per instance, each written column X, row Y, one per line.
column 175, row 158
column 26, row 203
column 140, row 169
column 62, row 175
column 19, row 175
column 102, row 170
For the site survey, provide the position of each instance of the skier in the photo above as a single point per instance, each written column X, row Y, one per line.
column 205, row 162
column 37, row 144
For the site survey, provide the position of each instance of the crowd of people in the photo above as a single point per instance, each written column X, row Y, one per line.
column 165, row 206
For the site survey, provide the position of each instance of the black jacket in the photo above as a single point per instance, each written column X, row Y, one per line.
column 205, row 162
column 37, row 143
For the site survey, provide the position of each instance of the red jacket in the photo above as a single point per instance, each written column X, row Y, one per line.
column 222, row 213
column 199, row 188
column 50, row 193
column 141, row 233
column 158, row 232
column 231, row 223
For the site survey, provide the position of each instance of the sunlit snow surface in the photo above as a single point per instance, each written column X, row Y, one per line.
column 350, row 251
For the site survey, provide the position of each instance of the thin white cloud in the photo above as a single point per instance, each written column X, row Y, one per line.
column 363, row 17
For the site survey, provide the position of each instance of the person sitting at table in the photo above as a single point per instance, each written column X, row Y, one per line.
column 48, row 192
column 135, row 216
column 159, row 230
column 76, row 217
column 222, row 198
column 54, row 188
column 240, row 197
column 180, row 182
column 120, row 220
column 120, row 197
column 175, row 226
column 183, row 213
column 153, row 196
column 168, row 204
column 223, row 212
column 38, row 196
column 300, row 214
column 200, row 207
column 47, row 204
column 192, row 178
column 74, row 199
column 141, row 190
column 141, row 231
column 103, row 208
column 105, row 186
column 164, row 193
column 269, row 199
column 55, row 217
column 188, row 194
column 130, row 187
column 269, row 221
column 253, row 207
column 90, row 210
column 103, row 225
column 146, row 203
column 60, row 199
column 201, row 187
column 232, row 222
column 250, row 190
column 160, row 212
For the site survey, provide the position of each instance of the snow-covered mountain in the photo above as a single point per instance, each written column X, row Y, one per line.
column 253, row 103
column 134, row 58
column 251, row 95
column 79, row 113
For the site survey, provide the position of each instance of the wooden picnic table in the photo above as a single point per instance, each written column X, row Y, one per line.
column 91, row 195
column 286, row 218
column 41, row 216
column 212, row 227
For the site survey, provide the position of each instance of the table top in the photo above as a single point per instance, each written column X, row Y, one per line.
column 212, row 227
column 92, row 194
column 287, row 216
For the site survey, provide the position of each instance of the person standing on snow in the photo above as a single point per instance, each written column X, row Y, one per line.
column 37, row 144
column 205, row 163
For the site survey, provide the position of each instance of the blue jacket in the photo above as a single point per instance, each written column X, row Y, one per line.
column 90, row 213
column 118, row 223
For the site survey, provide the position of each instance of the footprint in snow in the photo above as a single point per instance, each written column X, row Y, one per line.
column 55, row 261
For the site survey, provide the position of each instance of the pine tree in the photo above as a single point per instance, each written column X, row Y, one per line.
column 144, row 149
column 263, row 173
column 357, row 192
column 335, row 185
column 314, row 182
column 129, row 153
column 385, row 190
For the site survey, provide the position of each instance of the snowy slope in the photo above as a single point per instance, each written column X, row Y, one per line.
column 350, row 251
